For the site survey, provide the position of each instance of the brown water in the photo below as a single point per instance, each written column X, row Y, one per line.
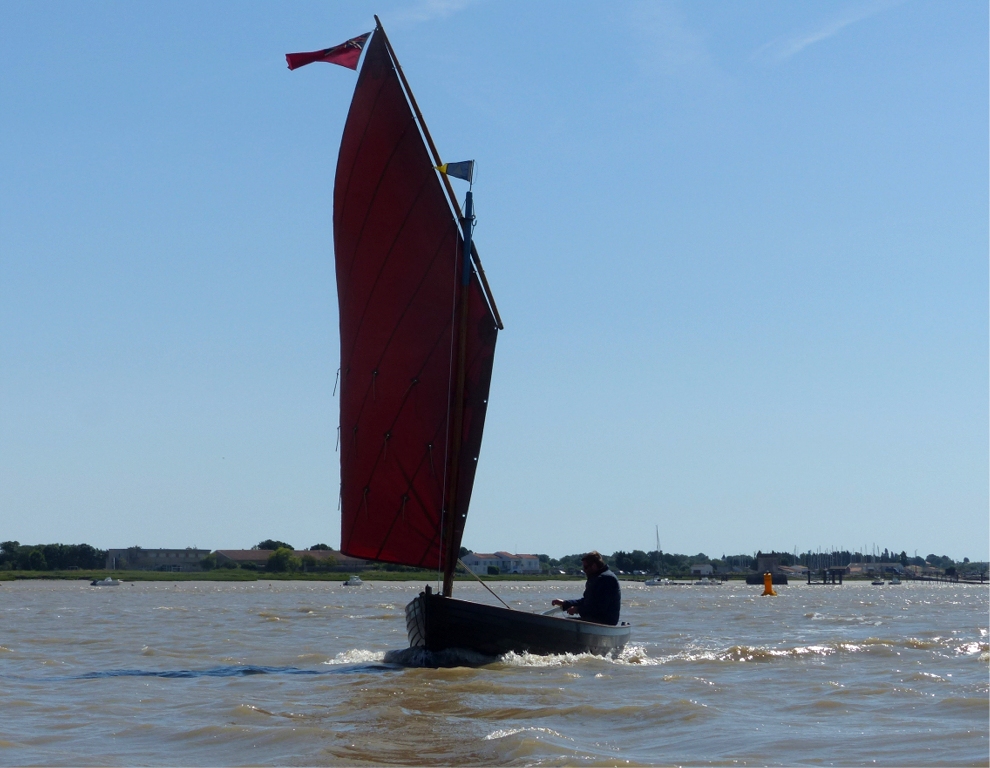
column 292, row 673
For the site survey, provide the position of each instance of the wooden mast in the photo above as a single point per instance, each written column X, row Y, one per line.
column 457, row 428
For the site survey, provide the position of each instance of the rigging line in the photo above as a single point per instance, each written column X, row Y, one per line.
column 335, row 382
column 461, row 563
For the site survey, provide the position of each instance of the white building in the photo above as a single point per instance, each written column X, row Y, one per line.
column 479, row 563
column 701, row 570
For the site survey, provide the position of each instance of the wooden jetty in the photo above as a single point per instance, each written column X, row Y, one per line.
column 829, row 576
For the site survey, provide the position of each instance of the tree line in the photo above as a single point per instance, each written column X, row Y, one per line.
column 60, row 557
column 671, row 564
column 15, row 556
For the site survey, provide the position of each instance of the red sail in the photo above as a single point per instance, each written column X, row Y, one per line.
column 398, row 258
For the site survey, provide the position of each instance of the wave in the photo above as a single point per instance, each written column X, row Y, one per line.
column 357, row 656
column 450, row 657
column 502, row 733
column 631, row 654
column 233, row 670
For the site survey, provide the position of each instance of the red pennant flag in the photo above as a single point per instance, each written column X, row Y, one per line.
column 345, row 54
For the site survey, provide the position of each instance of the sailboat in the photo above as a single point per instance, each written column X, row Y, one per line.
column 658, row 579
column 877, row 580
column 418, row 327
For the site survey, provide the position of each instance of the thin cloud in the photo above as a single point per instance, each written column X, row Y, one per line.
column 428, row 10
column 668, row 48
column 782, row 49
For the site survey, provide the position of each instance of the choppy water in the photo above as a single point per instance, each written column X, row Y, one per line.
column 293, row 673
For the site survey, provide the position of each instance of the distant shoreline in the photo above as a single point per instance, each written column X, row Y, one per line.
column 245, row 575
column 368, row 576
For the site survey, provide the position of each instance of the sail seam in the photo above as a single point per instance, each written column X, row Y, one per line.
column 339, row 214
column 443, row 425
column 388, row 344
column 374, row 198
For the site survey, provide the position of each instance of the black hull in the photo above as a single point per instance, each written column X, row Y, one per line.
column 757, row 579
column 438, row 623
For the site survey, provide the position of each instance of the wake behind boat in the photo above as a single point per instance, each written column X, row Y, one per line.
column 418, row 327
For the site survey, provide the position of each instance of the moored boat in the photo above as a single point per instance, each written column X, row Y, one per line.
column 657, row 581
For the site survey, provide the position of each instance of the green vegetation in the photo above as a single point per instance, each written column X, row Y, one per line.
column 90, row 575
column 273, row 544
column 82, row 561
column 640, row 563
column 49, row 557
column 282, row 561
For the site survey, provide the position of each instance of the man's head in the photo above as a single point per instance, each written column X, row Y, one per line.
column 593, row 564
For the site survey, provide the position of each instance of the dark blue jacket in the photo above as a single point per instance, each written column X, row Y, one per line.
column 600, row 603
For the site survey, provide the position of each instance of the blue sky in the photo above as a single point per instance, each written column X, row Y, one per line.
column 741, row 252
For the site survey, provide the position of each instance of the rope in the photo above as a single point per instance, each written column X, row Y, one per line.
column 461, row 563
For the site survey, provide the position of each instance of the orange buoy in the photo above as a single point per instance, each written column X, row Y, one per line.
column 768, row 585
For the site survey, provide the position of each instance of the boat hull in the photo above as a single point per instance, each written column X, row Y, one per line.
column 757, row 579
column 438, row 623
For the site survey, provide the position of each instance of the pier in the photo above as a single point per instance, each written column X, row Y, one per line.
column 953, row 578
column 828, row 576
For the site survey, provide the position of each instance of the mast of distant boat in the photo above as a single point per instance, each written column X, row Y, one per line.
column 659, row 555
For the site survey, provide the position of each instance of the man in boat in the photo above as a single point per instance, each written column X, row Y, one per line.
column 600, row 603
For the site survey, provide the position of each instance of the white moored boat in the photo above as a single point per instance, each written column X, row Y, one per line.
column 657, row 581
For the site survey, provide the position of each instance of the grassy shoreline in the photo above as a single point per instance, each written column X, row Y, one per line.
column 243, row 575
